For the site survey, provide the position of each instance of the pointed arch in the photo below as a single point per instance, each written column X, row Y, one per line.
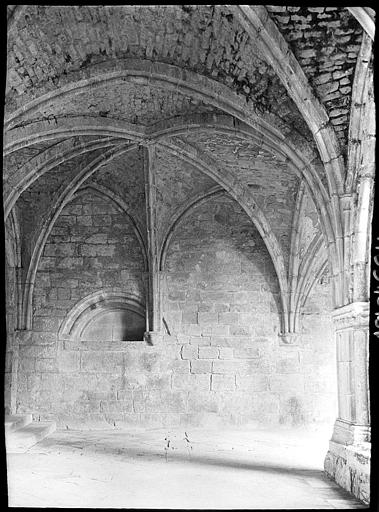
column 50, row 220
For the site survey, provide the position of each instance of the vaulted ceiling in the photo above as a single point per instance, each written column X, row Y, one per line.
column 223, row 107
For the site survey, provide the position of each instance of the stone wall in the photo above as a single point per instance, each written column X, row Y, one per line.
column 221, row 361
column 92, row 247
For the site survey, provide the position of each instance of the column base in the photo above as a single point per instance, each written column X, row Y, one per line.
column 348, row 459
column 153, row 337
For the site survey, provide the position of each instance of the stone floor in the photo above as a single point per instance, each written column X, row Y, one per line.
column 159, row 468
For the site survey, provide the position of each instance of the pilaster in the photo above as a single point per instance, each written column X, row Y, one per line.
column 348, row 458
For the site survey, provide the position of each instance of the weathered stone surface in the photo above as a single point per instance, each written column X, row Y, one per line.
column 219, row 353
column 321, row 44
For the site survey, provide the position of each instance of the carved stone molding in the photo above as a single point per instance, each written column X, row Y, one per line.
column 351, row 316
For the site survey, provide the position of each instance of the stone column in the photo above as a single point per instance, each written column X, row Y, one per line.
column 348, row 458
column 153, row 295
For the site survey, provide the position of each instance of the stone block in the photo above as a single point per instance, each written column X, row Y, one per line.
column 46, row 365
column 252, row 383
column 200, row 341
column 223, row 382
column 220, row 330
column 201, row 366
column 240, row 330
column 101, row 362
column 38, row 351
column 27, row 365
column 68, row 361
column 247, row 353
column 192, row 329
column 246, row 318
column 208, row 352
column 290, row 364
column 207, row 318
column 327, row 88
column 84, row 220
column 162, row 382
column 44, row 338
column 116, row 407
column 229, row 367
column 189, row 316
column 226, row 353
column 97, row 250
column 69, row 263
column 191, row 382
column 202, row 401
column 169, row 402
column 180, row 367
column 101, row 220
column 228, row 317
column 189, row 352
column 97, row 238
column 63, row 294
column 47, row 263
column 287, row 383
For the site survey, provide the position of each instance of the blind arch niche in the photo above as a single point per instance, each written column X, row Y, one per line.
column 105, row 316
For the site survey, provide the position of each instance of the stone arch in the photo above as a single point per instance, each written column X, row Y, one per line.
column 94, row 304
column 109, row 127
column 362, row 116
column 365, row 18
column 50, row 220
column 243, row 197
column 226, row 241
column 359, row 182
column 13, row 245
column 47, row 160
column 42, row 131
column 258, row 24
column 140, row 71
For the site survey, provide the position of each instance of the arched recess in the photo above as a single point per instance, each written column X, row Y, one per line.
column 64, row 198
column 97, row 304
column 208, row 258
column 240, row 193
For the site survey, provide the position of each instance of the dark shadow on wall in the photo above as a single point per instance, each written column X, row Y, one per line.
column 115, row 325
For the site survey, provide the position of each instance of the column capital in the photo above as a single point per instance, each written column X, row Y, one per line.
column 353, row 315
